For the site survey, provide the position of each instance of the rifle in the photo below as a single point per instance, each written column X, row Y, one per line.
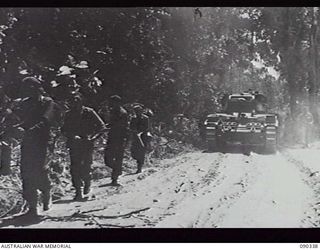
column 139, row 135
column 140, row 139
column 97, row 135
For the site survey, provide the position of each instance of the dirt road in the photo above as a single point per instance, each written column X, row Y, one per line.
column 201, row 189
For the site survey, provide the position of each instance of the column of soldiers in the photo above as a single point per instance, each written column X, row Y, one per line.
column 32, row 121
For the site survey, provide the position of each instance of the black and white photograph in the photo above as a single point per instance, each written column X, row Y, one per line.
column 159, row 117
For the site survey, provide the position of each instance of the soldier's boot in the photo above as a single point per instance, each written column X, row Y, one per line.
column 139, row 170
column 114, row 182
column 78, row 196
column 30, row 217
column 87, row 187
column 114, row 178
column 31, row 197
column 32, row 212
column 46, row 196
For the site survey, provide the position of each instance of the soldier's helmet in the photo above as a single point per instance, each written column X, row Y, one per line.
column 138, row 108
column 114, row 102
column 115, row 99
column 31, row 82
column 76, row 97
column 30, row 86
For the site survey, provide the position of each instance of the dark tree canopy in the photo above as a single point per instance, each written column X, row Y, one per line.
column 173, row 60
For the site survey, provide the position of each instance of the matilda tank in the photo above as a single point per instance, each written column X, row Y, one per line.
column 244, row 120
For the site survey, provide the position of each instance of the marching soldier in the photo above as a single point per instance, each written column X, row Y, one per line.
column 181, row 127
column 37, row 113
column 117, row 138
column 82, row 126
column 139, row 127
column 306, row 125
column 8, row 131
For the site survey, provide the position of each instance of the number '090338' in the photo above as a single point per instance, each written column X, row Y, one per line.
column 308, row 245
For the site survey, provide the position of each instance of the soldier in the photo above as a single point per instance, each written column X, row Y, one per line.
column 37, row 114
column 8, row 131
column 305, row 119
column 82, row 126
column 181, row 127
column 141, row 137
column 117, row 138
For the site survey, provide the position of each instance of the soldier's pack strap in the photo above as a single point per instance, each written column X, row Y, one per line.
column 53, row 113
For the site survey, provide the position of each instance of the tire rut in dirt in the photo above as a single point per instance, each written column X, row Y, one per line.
column 313, row 181
column 211, row 195
column 213, row 216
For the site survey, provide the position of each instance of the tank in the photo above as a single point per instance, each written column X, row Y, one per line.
column 244, row 120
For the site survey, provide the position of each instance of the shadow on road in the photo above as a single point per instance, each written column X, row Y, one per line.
column 239, row 149
column 110, row 185
column 134, row 173
column 63, row 201
column 20, row 221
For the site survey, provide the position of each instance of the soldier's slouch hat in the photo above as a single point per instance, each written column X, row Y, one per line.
column 115, row 98
column 138, row 107
column 31, row 82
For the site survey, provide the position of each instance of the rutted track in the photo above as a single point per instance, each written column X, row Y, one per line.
column 306, row 160
column 197, row 190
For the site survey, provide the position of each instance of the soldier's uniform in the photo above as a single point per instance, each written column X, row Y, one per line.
column 37, row 114
column 181, row 127
column 306, row 125
column 116, row 142
column 7, row 132
column 139, row 126
column 79, row 128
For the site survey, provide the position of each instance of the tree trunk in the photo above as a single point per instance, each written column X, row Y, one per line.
column 290, row 71
column 314, row 74
column 293, row 97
